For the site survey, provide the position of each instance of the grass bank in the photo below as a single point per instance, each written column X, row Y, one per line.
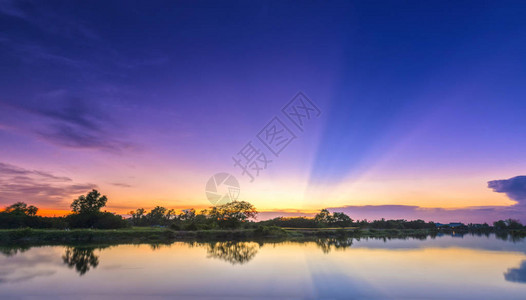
column 165, row 235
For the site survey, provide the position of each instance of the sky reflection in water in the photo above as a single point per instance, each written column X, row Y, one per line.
column 468, row 267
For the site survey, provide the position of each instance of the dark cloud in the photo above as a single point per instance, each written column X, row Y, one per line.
column 514, row 188
column 36, row 187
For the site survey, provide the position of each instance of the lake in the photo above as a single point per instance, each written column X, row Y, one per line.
column 443, row 267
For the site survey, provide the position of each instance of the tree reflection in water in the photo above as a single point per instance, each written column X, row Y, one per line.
column 328, row 244
column 13, row 250
column 82, row 258
column 233, row 252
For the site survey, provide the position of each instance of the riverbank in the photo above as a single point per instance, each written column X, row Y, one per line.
column 165, row 235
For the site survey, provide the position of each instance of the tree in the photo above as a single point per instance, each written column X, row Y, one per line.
column 22, row 209
column 323, row 218
column 187, row 214
column 341, row 219
column 171, row 214
column 91, row 203
column 138, row 216
column 232, row 214
column 500, row 225
column 31, row 210
column 157, row 216
column 87, row 213
column 513, row 224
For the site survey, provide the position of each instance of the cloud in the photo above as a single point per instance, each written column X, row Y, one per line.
column 52, row 20
column 36, row 187
column 125, row 185
column 514, row 188
column 71, row 136
column 10, row 170
column 9, row 7
column 67, row 121
column 32, row 53
column 75, row 123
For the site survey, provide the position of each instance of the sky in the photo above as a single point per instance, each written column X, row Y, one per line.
column 406, row 109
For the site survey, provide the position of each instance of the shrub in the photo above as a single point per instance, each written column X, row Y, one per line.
column 98, row 220
column 270, row 231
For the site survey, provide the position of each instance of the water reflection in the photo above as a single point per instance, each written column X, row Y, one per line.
column 22, row 263
column 517, row 274
column 158, row 246
column 505, row 236
column 328, row 244
column 232, row 251
column 25, row 263
column 13, row 250
column 81, row 258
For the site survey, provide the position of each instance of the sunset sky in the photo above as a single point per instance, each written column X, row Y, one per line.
column 421, row 104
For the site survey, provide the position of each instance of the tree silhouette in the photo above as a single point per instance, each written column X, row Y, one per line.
column 91, row 203
column 232, row 214
column 342, row 220
column 324, row 218
column 22, row 209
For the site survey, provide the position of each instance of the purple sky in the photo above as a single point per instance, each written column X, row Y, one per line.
column 422, row 104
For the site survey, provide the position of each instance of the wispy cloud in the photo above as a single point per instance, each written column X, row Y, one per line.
column 33, row 186
column 78, row 125
column 52, row 23
column 11, row 8
column 31, row 53
column 69, row 136
column 46, row 19
column 16, row 172
column 119, row 184
column 67, row 121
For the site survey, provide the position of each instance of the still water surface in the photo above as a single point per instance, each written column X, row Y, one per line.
column 446, row 267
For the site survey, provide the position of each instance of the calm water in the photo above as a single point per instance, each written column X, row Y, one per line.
column 469, row 267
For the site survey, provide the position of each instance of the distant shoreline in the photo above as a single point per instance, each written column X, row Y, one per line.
column 165, row 235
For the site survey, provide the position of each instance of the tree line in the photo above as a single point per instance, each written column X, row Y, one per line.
column 86, row 213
